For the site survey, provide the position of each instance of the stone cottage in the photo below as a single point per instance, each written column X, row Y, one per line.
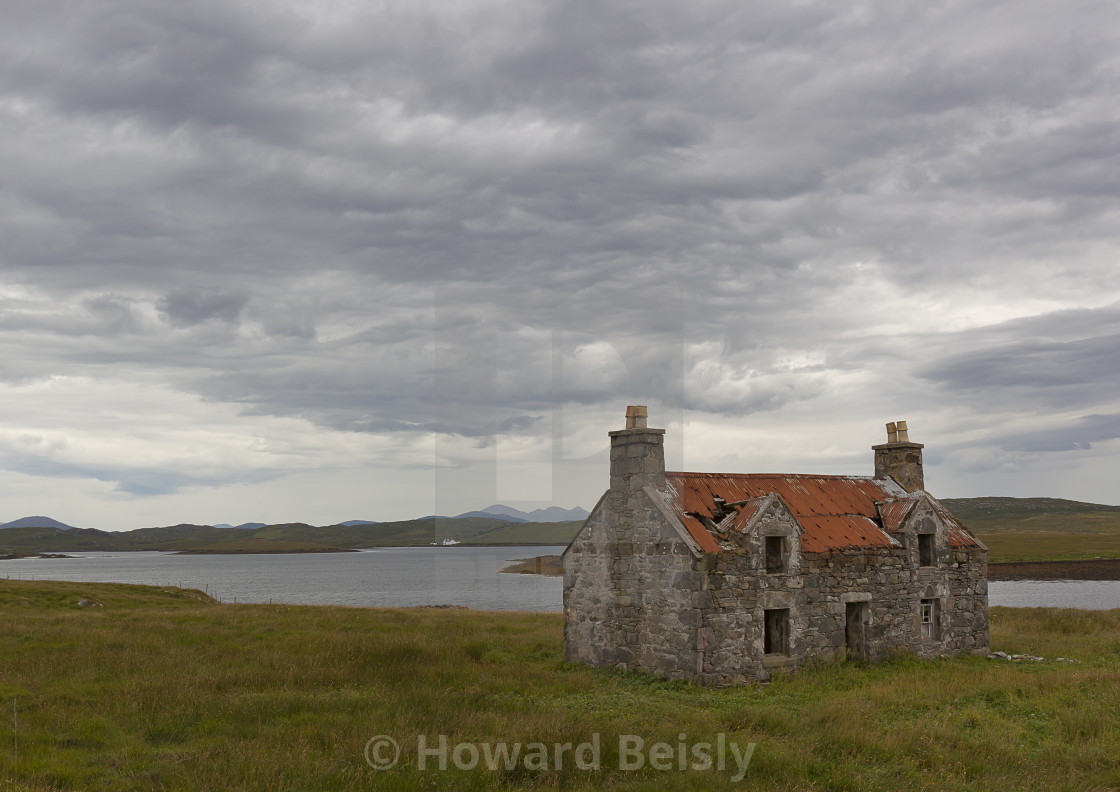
column 721, row 578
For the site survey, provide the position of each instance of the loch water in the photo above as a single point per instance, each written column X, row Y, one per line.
column 382, row 577
column 408, row 576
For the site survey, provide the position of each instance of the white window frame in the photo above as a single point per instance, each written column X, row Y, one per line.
column 930, row 612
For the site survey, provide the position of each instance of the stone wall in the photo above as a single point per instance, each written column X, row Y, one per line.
column 902, row 462
column 630, row 591
column 639, row 593
column 636, row 595
column 629, row 577
column 732, row 630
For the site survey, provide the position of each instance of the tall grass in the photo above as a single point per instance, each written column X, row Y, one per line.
column 1051, row 545
column 165, row 689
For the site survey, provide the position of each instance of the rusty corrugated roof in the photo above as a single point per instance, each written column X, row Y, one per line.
column 893, row 513
column 834, row 511
column 958, row 534
column 823, row 532
column 747, row 510
column 699, row 533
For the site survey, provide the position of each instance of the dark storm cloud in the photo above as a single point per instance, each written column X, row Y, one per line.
column 186, row 308
column 424, row 217
column 1037, row 365
column 498, row 141
column 1058, row 361
column 1079, row 435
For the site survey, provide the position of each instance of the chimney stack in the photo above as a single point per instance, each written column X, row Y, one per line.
column 900, row 459
column 637, row 454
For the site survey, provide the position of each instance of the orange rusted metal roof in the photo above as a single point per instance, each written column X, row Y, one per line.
column 834, row 511
column 747, row 510
column 958, row 534
column 824, row 532
column 699, row 533
column 893, row 513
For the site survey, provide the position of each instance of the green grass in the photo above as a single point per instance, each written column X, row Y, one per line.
column 1040, row 529
column 1050, row 536
column 164, row 689
column 1049, row 545
column 996, row 508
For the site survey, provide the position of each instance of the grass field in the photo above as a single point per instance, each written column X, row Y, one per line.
column 1050, row 536
column 164, row 689
column 1049, row 545
column 1038, row 529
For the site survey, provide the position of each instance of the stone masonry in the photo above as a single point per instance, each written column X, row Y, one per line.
column 721, row 579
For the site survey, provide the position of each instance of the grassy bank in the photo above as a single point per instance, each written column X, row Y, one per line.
column 1057, row 543
column 164, row 689
column 1038, row 529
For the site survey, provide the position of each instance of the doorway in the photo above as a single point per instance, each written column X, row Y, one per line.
column 855, row 630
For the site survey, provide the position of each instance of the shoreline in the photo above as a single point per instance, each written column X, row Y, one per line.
column 265, row 551
column 552, row 566
column 1094, row 569
column 549, row 565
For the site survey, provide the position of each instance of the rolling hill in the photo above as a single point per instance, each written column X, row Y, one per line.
column 288, row 537
column 1025, row 529
column 37, row 522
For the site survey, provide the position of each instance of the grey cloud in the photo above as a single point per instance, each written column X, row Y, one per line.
column 387, row 219
column 1077, row 435
column 1060, row 360
column 103, row 316
column 187, row 308
column 141, row 481
column 1033, row 364
column 637, row 90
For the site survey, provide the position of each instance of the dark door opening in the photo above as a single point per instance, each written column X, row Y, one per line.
column 855, row 630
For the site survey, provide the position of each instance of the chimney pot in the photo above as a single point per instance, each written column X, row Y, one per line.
column 903, row 434
column 892, row 433
column 636, row 416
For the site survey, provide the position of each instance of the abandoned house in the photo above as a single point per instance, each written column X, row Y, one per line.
column 721, row 578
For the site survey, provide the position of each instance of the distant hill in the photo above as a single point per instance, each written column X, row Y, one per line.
column 996, row 508
column 551, row 514
column 37, row 522
column 489, row 516
column 40, row 540
column 292, row 537
column 1016, row 529
column 359, row 522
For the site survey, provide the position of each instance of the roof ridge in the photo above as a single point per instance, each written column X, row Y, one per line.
column 776, row 475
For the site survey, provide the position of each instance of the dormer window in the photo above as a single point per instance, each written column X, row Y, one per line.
column 925, row 549
column 775, row 555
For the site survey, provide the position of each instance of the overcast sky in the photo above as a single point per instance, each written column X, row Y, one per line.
column 320, row 261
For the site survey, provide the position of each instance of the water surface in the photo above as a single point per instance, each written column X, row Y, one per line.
column 1089, row 594
column 407, row 576
column 383, row 577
